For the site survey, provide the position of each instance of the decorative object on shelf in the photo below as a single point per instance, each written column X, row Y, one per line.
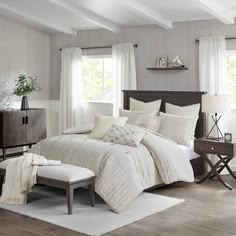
column 161, row 62
column 176, row 62
column 25, row 86
column 8, row 105
column 228, row 137
column 215, row 104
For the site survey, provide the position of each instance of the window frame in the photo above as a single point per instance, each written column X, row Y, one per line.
column 97, row 56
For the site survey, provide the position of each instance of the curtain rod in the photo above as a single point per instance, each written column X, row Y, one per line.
column 135, row 45
column 197, row 40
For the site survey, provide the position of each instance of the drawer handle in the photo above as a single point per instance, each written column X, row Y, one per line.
column 212, row 148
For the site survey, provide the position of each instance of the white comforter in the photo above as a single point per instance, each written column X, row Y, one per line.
column 122, row 172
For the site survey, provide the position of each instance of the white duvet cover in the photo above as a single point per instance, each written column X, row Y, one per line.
column 123, row 172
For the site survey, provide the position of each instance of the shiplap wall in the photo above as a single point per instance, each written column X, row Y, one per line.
column 24, row 49
column 152, row 43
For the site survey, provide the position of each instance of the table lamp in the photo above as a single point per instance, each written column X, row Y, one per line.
column 215, row 104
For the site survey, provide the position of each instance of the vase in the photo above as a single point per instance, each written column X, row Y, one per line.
column 24, row 103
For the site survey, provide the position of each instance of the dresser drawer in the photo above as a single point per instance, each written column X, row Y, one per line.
column 214, row 148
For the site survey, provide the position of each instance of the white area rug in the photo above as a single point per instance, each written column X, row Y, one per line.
column 49, row 205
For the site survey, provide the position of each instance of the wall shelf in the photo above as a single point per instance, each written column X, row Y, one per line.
column 167, row 68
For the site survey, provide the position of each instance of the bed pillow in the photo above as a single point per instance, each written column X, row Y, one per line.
column 124, row 112
column 139, row 118
column 104, row 123
column 180, row 129
column 147, row 107
column 192, row 110
column 124, row 135
column 151, row 123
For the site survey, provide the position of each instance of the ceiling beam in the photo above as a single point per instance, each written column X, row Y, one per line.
column 37, row 20
column 212, row 8
column 142, row 10
column 87, row 15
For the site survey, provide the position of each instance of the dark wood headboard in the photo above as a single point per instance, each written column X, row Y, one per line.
column 175, row 97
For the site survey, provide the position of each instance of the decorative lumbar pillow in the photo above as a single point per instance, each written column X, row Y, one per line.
column 124, row 135
column 180, row 129
column 104, row 123
column 192, row 110
column 147, row 107
column 82, row 129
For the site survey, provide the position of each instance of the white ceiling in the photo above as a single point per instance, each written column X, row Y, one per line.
column 68, row 16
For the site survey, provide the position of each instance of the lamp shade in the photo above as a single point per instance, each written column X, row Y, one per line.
column 215, row 103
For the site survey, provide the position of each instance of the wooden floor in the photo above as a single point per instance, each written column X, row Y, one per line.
column 209, row 210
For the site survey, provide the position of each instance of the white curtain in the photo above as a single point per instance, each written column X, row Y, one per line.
column 70, row 108
column 212, row 64
column 124, row 72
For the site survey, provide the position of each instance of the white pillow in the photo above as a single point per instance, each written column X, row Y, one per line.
column 133, row 114
column 123, row 112
column 180, row 129
column 82, row 129
column 147, row 107
column 192, row 110
column 140, row 118
column 124, row 135
column 152, row 123
column 104, row 123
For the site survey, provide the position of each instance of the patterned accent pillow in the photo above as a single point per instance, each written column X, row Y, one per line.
column 180, row 129
column 124, row 135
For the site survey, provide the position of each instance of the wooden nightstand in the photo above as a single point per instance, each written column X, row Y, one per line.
column 224, row 150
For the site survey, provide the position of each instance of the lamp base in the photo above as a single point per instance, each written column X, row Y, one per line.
column 220, row 136
column 215, row 138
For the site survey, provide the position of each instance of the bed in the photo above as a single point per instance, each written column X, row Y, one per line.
column 123, row 172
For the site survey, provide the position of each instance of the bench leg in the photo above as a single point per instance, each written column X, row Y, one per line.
column 4, row 154
column 91, row 193
column 1, row 183
column 70, row 196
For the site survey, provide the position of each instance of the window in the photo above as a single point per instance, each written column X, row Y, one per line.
column 97, row 79
column 231, row 76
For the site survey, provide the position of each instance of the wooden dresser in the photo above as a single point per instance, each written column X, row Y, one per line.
column 21, row 128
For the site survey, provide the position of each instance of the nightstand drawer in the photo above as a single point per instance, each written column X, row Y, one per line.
column 214, row 148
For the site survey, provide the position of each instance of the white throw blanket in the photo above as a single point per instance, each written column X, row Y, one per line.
column 20, row 178
column 122, row 172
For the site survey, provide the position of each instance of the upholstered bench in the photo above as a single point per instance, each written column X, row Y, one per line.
column 66, row 177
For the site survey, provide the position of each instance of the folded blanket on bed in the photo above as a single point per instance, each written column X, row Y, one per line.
column 45, row 162
column 20, row 178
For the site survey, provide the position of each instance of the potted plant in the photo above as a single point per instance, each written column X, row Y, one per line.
column 25, row 86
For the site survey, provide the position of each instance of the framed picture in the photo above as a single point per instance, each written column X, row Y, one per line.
column 161, row 62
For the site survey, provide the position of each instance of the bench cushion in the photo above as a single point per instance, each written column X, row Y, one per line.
column 66, row 173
